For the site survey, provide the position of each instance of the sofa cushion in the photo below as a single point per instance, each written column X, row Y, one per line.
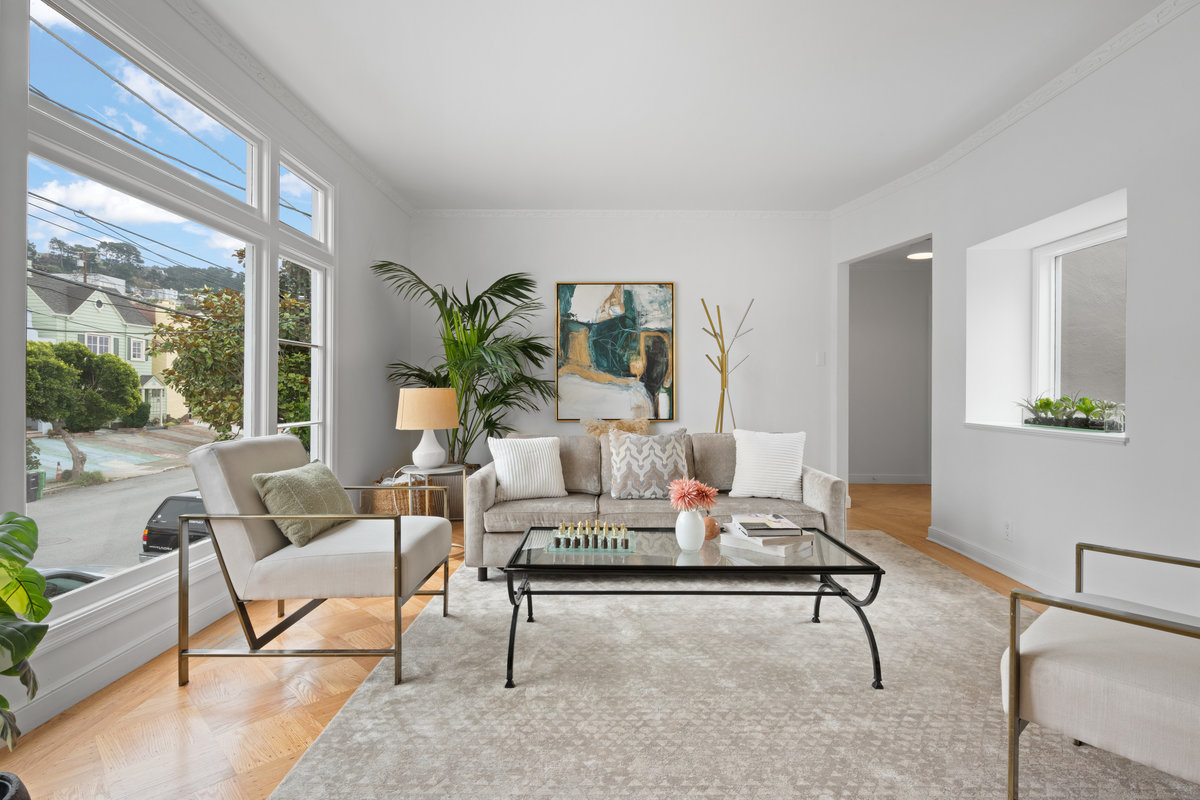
column 768, row 465
column 353, row 559
column 606, row 462
column 580, row 457
column 636, row 513
column 517, row 515
column 716, row 457
column 527, row 468
column 643, row 467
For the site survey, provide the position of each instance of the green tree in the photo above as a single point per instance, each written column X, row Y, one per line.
column 76, row 390
column 31, row 251
column 209, row 349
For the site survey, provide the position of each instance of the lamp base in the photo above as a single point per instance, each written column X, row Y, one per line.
column 429, row 454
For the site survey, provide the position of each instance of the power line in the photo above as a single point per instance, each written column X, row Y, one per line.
column 158, row 265
column 153, row 107
column 105, row 223
column 135, row 140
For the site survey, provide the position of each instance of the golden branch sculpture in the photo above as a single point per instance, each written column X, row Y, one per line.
column 721, row 363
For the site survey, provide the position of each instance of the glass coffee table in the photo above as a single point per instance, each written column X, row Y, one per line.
column 652, row 553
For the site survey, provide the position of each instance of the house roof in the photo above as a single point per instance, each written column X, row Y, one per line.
column 65, row 296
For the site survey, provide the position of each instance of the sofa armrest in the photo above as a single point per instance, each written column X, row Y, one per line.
column 827, row 494
column 479, row 495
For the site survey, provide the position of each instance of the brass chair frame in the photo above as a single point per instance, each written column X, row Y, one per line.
column 1016, row 596
column 256, row 642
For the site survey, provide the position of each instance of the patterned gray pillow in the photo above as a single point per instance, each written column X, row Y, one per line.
column 644, row 466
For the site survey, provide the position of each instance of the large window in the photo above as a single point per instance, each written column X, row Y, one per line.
column 1080, row 314
column 139, row 267
column 76, row 73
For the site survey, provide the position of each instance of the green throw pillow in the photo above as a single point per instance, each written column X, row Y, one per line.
column 311, row 489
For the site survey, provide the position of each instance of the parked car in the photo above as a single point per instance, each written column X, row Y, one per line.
column 162, row 529
column 60, row 580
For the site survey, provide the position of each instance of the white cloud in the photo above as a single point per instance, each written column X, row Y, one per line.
column 292, row 186
column 196, row 230
column 107, row 204
column 220, row 241
column 170, row 103
column 49, row 17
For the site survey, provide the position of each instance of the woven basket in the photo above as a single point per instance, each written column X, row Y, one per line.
column 397, row 500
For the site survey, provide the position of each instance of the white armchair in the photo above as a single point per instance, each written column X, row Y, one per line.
column 368, row 555
column 1117, row 675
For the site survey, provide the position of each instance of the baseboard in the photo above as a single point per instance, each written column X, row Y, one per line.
column 1023, row 573
column 885, row 477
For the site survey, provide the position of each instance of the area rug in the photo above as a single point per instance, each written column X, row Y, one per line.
column 653, row 697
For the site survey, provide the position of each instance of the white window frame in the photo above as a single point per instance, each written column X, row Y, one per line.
column 141, row 343
column 318, row 389
column 1047, row 303
column 102, row 610
column 322, row 193
column 108, row 340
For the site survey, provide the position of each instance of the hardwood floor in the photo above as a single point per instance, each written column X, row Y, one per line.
column 236, row 729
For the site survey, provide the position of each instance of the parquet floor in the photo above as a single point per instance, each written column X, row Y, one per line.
column 236, row 729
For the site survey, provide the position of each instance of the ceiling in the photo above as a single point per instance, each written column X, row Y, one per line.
column 797, row 105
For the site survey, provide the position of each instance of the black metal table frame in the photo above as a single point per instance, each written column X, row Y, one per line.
column 828, row 587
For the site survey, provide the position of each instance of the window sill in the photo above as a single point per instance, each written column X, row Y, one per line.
column 1058, row 433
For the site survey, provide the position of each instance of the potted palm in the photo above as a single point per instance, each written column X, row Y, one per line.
column 488, row 358
column 23, row 606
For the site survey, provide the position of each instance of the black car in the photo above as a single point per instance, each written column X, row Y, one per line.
column 60, row 580
column 162, row 529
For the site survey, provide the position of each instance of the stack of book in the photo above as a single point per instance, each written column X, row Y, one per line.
column 770, row 534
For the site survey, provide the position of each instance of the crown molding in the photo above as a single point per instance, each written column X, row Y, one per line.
column 584, row 213
column 1110, row 50
column 220, row 38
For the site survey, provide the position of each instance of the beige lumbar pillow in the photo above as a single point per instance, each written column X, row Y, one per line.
column 601, row 427
column 311, row 489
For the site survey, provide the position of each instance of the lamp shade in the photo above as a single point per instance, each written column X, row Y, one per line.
column 427, row 410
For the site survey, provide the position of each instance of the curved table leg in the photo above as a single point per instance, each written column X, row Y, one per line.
column 515, row 595
column 816, row 617
column 857, row 604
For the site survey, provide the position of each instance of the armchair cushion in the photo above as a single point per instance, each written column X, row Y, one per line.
column 310, row 489
column 353, row 559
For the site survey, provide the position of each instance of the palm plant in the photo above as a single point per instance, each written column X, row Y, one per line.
column 488, row 352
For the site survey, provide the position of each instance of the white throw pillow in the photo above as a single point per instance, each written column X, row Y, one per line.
column 527, row 468
column 768, row 465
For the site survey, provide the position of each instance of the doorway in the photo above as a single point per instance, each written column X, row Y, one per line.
column 889, row 386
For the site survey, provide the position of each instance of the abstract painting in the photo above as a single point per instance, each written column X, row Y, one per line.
column 615, row 347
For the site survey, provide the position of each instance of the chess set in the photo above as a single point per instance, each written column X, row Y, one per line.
column 591, row 536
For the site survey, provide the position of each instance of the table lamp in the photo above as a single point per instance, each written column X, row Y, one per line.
column 427, row 410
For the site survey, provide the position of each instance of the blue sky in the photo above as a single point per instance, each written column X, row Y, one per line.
column 67, row 78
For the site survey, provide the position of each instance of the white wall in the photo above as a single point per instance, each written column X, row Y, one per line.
column 726, row 258
column 93, row 640
column 1132, row 123
column 889, row 371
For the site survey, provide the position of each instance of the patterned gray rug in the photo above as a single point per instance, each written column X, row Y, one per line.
column 707, row 697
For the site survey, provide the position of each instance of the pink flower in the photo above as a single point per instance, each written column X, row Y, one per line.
column 689, row 494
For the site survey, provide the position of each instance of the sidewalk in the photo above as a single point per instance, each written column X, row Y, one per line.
column 125, row 453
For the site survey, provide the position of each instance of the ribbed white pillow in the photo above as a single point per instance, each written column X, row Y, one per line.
column 527, row 468
column 768, row 465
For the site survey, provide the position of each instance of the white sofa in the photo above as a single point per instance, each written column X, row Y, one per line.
column 492, row 530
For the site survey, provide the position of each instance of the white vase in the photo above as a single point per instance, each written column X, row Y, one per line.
column 689, row 531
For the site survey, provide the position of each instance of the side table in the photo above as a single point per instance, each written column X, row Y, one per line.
column 422, row 498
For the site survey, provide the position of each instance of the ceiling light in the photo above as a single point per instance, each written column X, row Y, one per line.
column 921, row 251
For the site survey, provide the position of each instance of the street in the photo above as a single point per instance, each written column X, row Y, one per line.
column 101, row 524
